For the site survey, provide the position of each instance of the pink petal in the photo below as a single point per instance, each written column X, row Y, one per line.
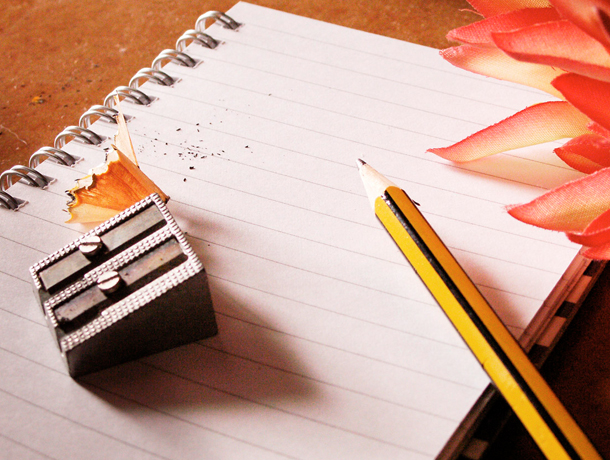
column 590, row 96
column 587, row 153
column 539, row 123
column 494, row 7
column 494, row 63
column 597, row 232
column 570, row 207
column 592, row 16
column 558, row 44
column 480, row 32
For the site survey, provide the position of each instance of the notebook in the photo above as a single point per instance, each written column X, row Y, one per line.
column 328, row 344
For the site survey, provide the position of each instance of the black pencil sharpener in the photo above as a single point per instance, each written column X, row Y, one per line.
column 131, row 287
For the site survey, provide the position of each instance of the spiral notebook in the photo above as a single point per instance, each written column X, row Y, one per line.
column 329, row 346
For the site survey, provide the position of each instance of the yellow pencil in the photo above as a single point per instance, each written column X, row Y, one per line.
column 511, row 371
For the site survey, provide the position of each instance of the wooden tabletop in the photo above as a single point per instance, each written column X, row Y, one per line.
column 59, row 57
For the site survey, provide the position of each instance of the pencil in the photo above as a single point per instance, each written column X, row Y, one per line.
column 513, row 374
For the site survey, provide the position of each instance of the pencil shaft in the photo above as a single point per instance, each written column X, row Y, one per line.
column 511, row 371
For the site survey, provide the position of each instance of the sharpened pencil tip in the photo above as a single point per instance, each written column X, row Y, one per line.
column 360, row 162
column 374, row 183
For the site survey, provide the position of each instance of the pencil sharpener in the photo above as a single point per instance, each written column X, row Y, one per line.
column 130, row 287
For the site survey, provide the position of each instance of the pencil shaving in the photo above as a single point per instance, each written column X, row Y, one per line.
column 112, row 186
column 122, row 140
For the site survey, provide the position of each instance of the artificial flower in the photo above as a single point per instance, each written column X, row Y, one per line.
column 561, row 47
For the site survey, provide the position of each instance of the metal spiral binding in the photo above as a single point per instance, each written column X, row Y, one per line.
column 53, row 154
column 153, row 75
column 107, row 112
column 20, row 173
column 29, row 175
column 226, row 21
column 84, row 135
column 101, row 112
column 125, row 92
column 7, row 201
column 176, row 56
column 195, row 36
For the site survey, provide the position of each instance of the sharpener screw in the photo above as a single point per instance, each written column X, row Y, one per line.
column 91, row 245
column 109, row 282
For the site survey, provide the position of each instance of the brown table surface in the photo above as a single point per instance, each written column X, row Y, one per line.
column 59, row 57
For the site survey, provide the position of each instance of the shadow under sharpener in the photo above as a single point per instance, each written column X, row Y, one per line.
column 131, row 287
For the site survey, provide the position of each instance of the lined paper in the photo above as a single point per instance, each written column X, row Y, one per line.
column 329, row 346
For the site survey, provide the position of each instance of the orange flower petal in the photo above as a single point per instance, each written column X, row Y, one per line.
column 492, row 62
column 558, row 44
column 597, row 129
column 570, row 207
column 598, row 252
column 597, row 232
column 592, row 16
column 587, row 153
column 590, row 96
column 494, row 7
column 480, row 32
column 539, row 123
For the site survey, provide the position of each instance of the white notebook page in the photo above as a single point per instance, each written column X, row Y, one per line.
column 329, row 346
